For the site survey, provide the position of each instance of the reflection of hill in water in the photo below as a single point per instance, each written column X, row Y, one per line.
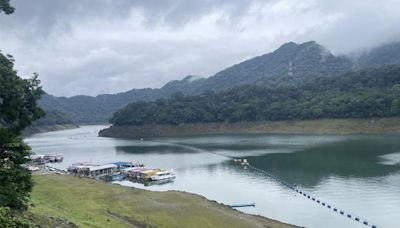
column 355, row 158
column 253, row 141
column 159, row 149
column 317, row 157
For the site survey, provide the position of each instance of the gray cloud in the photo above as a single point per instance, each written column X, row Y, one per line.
column 106, row 46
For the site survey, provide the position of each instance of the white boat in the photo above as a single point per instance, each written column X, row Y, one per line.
column 163, row 175
column 33, row 168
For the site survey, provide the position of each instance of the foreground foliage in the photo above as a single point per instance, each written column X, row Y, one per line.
column 18, row 110
column 9, row 219
column 363, row 94
column 5, row 7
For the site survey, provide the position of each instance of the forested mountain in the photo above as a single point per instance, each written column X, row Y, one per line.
column 367, row 93
column 87, row 109
column 290, row 64
column 53, row 120
column 189, row 85
column 380, row 56
column 52, row 117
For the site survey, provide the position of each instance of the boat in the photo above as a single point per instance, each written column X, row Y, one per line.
column 116, row 177
column 33, row 168
column 163, row 175
column 125, row 165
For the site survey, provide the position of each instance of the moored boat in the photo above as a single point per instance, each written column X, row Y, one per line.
column 116, row 177
column 163, row 175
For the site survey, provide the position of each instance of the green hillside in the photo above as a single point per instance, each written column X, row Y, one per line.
column 366, row 93
column 53, row 117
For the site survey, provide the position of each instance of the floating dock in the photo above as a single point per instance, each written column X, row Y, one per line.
column 243, row 205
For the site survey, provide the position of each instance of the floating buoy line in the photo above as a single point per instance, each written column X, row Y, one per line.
column 245, row 164
column 352, row 216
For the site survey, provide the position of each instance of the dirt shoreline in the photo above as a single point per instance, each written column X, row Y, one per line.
column 322, row 126
column 47, row 128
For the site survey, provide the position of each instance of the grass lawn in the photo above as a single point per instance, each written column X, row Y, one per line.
column 89, row 203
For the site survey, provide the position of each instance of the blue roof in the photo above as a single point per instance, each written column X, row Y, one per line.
column 121, row 163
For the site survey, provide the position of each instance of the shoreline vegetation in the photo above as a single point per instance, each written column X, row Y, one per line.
column 321, row 126
column 66, row 201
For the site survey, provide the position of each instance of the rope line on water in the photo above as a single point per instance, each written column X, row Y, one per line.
column 317, row 200
column 309, row 196
column 323, row 203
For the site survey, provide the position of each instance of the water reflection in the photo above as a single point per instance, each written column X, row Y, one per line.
column 158, row 149
column 360, row 158
column 306, row 160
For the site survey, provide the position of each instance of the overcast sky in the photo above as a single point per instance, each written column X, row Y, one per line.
column 106, row 46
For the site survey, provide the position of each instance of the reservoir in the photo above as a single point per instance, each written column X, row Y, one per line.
column 357, row 173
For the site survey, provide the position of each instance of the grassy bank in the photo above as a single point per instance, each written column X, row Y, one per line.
column 322, row 126
column 89, row 203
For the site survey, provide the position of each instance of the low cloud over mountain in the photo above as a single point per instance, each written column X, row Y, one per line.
column 102, row 46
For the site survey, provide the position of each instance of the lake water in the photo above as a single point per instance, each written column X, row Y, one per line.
column 357, row 173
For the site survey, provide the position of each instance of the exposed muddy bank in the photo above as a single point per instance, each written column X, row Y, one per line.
column 47, row 128
column 323, row 126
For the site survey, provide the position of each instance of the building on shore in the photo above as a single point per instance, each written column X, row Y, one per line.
column 92, row 171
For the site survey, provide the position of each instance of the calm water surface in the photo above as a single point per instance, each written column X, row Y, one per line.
column 358, row 173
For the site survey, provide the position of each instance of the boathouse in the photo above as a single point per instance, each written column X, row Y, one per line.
column 95, row 170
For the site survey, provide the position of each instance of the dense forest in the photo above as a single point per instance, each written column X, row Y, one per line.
column 361, row 94
column 52, row 117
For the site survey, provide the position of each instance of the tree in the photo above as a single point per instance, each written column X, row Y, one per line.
column 18, row 109
column 8, row 219
column 6, row 7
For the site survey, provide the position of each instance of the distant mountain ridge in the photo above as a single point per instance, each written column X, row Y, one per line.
column 388, row 54
column 290, row 64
